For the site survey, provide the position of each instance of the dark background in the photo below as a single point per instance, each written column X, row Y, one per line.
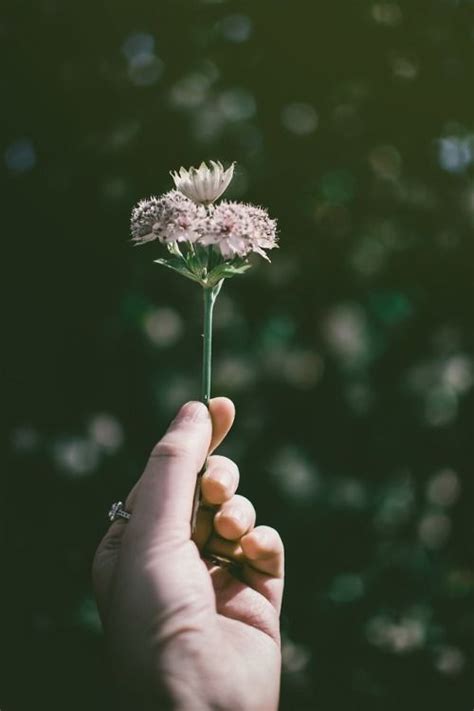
column 349, row 358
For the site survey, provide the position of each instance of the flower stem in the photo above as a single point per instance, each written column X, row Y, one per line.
column 210, row 295
column 207, row 346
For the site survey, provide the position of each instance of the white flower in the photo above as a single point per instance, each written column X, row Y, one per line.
column 203, row 185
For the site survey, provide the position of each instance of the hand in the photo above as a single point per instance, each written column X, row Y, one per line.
column 185, row 633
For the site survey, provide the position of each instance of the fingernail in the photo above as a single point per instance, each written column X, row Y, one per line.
column 193, row 411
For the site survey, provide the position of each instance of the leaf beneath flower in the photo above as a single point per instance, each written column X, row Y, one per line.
column 177, row 266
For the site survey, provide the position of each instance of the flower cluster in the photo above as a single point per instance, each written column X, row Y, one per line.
column 233, row 229
column 205, row 242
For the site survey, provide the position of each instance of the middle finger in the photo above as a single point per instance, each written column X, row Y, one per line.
column 220, row 480
column 235, row 518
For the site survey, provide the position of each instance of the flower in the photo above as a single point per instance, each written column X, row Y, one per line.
column 169, row 218
column 236, row 229
column 144, row 216
column 233, row 229
column 203, row 185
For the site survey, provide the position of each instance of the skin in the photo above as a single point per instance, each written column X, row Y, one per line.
column 183, row 633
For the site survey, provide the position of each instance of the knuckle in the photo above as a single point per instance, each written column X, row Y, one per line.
column 170, row 449
column 113, row 538
column 240, row 503
column 222, row 472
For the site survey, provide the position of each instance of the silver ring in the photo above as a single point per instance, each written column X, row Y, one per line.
column 117, row 511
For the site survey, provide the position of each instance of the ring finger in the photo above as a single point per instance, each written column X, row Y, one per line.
column 235, row 518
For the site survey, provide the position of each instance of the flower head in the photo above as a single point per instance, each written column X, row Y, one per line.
column 203, row 185
column 236, row 230
column 144, row 215
column 205, row 243
column 169, row 218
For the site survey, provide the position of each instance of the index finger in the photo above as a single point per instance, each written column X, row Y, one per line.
column 222, row 413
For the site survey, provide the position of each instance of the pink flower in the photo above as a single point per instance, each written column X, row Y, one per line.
column 169, row 218
column 236, row 229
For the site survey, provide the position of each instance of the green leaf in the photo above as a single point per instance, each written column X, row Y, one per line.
column 232, row 271
column 178, row 266
column 226, row 270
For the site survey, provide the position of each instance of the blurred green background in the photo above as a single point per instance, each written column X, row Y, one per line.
column 349, row 358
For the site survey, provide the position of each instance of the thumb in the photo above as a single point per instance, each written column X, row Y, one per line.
column 164, row 498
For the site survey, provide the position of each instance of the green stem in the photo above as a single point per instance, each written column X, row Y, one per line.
column 210, row 295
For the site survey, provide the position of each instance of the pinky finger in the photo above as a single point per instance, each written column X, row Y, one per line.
column 264, row 569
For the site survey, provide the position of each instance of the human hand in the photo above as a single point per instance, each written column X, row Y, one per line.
column 184, row 633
